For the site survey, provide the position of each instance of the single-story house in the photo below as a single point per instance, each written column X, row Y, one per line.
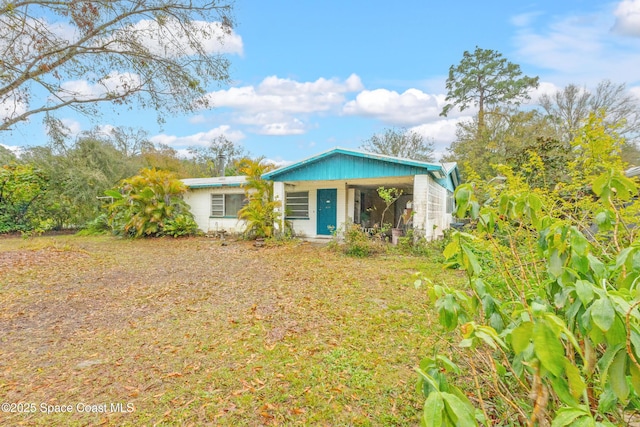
column 215, row 202
column 336, row 187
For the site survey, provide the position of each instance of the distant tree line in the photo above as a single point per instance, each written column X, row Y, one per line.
column 505, row 131
column 62, row 184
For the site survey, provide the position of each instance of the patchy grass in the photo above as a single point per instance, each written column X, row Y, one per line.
column 189, row 332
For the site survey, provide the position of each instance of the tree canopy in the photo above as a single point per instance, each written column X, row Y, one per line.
column 484, row 79
column 400, row 143
column 160, row 54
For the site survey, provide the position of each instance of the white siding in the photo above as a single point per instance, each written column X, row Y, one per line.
column 199, row 200
column 430, row 205
column 308, row 227
column 278, row 194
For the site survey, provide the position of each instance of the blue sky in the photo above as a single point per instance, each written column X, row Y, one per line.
column 309, row 76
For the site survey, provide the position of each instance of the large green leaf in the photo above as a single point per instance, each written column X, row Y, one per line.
column 602, row 313
column 521, row 337
column 459, row 411
column 433, row 410
column 576, row 384
column 584, row 290
column 566, row 416
column 617, row 376
column 548, row 348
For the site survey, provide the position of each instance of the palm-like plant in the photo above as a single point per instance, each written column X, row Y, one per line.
column 145, row 203
column 260, row 212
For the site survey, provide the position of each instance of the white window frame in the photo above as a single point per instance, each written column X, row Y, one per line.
column 300, row 200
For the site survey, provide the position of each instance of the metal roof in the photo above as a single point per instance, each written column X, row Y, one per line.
column 341, row 163
column 219, row 181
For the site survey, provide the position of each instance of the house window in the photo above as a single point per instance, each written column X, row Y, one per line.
column 226, row 205
column 297, row 205
column 451, row 202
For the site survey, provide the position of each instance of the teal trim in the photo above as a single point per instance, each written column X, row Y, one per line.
column 341, row 164
column 213, row 185
column 296, row 218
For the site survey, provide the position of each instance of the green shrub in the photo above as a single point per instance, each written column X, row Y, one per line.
column 351, row 240
column 548, row 325
column 145, row 204
column 181, row 225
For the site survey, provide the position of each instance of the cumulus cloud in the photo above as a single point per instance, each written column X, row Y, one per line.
column 412, row 107
column 544, row 88
column 114, row 83
column 441, row 132
column 627, row 15
column 278, row 106
column 286, row 95
column 200, row 139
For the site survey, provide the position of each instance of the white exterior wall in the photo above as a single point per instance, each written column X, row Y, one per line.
column 199, row 200
column 278, row 194
column 430, row 205
column 420, row 204
column 308, row 227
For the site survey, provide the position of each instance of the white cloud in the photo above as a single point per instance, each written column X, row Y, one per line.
column 175, row 40
column 74, row 126
column 15, row 149
column 628, row 18
column 275, row 106
column 524, row 19
column 412, row 107
column 286, row 95
column 581, row 49
column 11, row 106
column 293, row 127
column 200, row 139
column 635, row 91
column 543, row 88
column 197, row 119
column 442, row 132
column 114, row 83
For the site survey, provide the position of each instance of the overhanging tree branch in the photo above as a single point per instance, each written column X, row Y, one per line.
column 174, row 49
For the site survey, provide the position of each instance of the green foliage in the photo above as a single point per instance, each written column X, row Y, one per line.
column 181, row 225
column 261, row 213
column 20, row 187
column 150, row 204
column 552, row 327
column 485, row 79
column 353, row 241
column 98, row 225
column 400, row 143
column 389, row 196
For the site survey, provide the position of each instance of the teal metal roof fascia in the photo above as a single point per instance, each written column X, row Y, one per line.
column 214, row 185
column 431, row 167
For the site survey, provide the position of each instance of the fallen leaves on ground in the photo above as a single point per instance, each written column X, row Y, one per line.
column 190, row 332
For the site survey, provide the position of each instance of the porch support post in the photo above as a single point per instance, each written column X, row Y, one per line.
column 279, row 195
column 421, row 206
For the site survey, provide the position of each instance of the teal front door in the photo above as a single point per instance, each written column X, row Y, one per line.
column 326, row 202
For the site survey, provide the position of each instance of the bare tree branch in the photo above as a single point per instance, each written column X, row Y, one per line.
column 169, row 51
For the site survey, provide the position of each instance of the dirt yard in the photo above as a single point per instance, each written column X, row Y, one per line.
column 102, row 331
